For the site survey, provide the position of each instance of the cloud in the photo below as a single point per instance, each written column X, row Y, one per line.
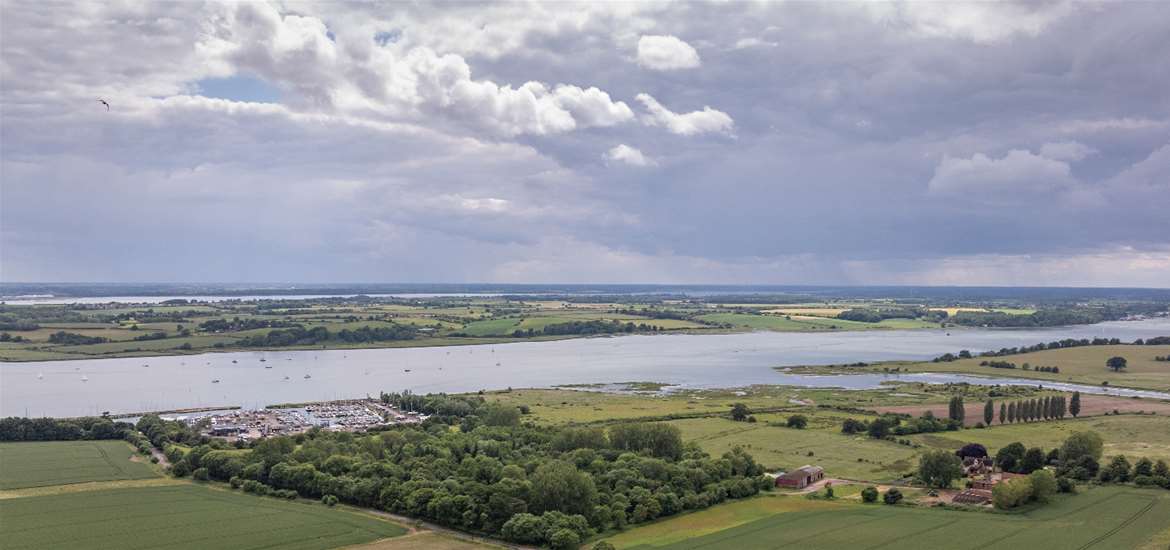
column 980, row 22
column 752, row 42
column 1018, row 171
column 461, row 141
column 1151, row 173
column 629, row 155
column 298, row 52
column 1066, row 151
column 666, row 53
column 685, row 124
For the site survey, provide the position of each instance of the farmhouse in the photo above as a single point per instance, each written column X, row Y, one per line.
column 801, row 477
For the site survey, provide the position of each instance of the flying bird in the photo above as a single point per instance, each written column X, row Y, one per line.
column 104, row 102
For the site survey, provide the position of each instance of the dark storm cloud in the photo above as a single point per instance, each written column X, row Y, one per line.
column 795, row 142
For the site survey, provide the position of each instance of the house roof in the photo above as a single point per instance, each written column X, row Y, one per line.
column 802, row 471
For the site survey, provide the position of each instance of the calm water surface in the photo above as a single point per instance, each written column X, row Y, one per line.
column 71, row 388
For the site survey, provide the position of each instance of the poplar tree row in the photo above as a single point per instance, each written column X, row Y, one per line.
column 1053, row 407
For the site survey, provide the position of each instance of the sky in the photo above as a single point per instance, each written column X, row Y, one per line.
column 922, row 143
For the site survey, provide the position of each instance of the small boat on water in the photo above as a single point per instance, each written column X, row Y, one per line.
column 267, row 366
column 263, row 360
column 40, row 376
column 405, row 370
column 286, row 378
column 308, row 376
column 84, row 378
column 234, row 361
column 216, row 381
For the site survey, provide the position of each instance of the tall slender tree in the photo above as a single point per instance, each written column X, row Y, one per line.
column 1074, row 405
column 1002, row 412
column 955, row 409
column 988, row 412
column 1012, row 412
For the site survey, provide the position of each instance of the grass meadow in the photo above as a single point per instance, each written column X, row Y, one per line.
column 776, row 447
column 1082, row 365
column 41, row 464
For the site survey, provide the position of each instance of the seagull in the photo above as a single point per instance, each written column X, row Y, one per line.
column 104, row 102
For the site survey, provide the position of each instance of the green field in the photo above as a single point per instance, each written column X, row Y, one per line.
column 40, row 464
column 1101, row 518
column 808, row 323
column 1082, row 365
column 180, row 516
column 778, row 447
column 1130, row 435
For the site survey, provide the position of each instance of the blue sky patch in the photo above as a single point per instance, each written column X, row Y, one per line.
column 239, row 88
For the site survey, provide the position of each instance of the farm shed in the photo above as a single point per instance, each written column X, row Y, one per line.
column 801, row 477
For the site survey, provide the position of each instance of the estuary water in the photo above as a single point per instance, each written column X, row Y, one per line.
column 256, row 379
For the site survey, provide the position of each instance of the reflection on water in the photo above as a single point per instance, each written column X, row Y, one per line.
column 71, row 388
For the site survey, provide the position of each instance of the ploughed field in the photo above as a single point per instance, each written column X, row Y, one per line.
column 180, row 516
column 1101, row 518
column 41, row 464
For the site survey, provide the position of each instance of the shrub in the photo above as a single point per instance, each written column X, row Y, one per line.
column 564, row 539
column 798, row 421
column 236, row 482
column 603, row 545
column 1043, row 485
column 1065, row 485
column 869, row 494
column 1012, row 493
column 892, row 496
column 200, row 474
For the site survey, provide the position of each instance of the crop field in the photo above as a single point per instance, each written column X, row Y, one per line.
column 1082, row 365
column 1102, row 519
column 40, row 464
column 775, row 447
column 181, row 516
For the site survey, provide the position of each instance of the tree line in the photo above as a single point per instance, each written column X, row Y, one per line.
column 300, row 336
column 472, row 465
column 1056, row 344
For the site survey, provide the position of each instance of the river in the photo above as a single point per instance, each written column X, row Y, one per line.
column 255, row 379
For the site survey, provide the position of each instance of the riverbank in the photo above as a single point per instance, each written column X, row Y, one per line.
column 255, row 379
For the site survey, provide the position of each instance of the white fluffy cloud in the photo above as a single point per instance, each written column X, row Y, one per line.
column 629, row 155
column 705, row 121
column 1018, row 171
column 666, row 53
column 300, row 53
